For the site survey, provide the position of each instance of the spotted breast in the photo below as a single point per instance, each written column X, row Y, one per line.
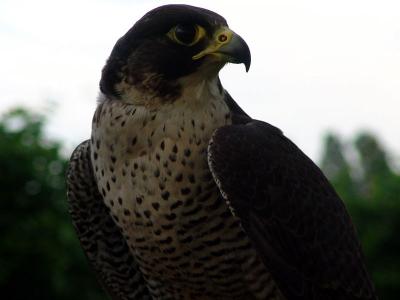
column 151, row 168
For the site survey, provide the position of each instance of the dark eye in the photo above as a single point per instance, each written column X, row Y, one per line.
column 186, row 34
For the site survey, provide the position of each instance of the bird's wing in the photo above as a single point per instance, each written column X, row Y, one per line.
column 102, row 241
column 291, row 213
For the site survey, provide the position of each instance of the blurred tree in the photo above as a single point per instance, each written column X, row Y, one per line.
column 373, row 200
column 40, row 257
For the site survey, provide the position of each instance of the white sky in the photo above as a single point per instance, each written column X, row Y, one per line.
column 316, row 65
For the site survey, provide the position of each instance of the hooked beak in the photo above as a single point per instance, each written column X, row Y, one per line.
column 228, row 47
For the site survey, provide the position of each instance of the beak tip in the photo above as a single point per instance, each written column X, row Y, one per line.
column 247, row 61
column 247, row 66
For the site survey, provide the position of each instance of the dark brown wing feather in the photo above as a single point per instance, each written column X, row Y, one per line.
column 290, row 211
column 100, row 238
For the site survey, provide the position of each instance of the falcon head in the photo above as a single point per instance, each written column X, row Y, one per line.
column 168, row 49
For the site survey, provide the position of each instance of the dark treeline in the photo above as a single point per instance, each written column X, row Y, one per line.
column 40, row 256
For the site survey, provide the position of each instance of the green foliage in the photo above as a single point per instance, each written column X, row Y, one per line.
column 364, row 179
column 40, row 256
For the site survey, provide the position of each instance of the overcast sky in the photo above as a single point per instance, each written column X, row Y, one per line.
column 316, row 65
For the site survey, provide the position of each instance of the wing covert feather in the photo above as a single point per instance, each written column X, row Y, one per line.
column 291, row 213
column 100, row 238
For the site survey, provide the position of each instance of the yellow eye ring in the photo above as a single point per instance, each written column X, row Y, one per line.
column 186, row 34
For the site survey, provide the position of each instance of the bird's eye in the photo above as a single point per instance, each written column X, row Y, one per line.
column 186, row 34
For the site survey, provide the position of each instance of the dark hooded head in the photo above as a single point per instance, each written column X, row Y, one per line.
column 169, row 43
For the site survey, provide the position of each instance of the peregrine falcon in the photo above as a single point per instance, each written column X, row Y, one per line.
column 179, row 194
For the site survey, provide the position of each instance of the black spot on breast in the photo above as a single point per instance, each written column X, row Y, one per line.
column 172, row 157
column 207, row 176
column 213, row 242
column 205, row 197
column 170, row 217
column 167, row 226
column 169, row 250
column 187, row 152
column 165, row 195
column 179, row 177
column 185, row 191
column 218, row 253
column 157, row 173
column 193, row 211
column 184, row 265
column 147, row 213
column 162, row 145
column 155, row 205
column 95, row 155
column 139, row 200
column 140, row 240
column 175, row 149
column 189, row 202
column 191, row 178
column 176, row 205
column 187, row 240
column 194, row 222
column 217, row 203
column 133, row 141
column 181, row 232
column 120, row 200
column 127, row 212
column 217, row 227
column 168, row 240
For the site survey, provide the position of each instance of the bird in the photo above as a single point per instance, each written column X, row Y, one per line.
column 179, row 194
